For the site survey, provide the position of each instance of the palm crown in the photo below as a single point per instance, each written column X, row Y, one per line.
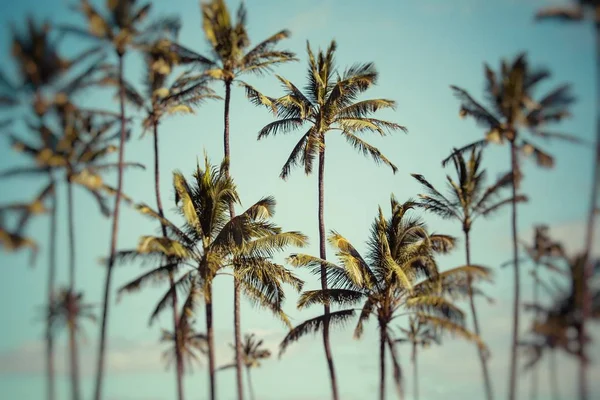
column 230, row 44
column 328, row 103
column 468, row 197
column 511, row 106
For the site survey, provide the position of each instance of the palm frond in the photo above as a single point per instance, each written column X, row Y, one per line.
column 341, row 297
column 314, row 325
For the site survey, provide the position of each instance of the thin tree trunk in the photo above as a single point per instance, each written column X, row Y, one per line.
column 211, row 347
column 535, row 368
column 51, row 390
column 589, row 240
column 113, row 240
column 178, row 358
column 323, row 255
column 397, row 369
column 72, row 316
column 250, row 388
column 382, row 340
column 484, row 368
column 415, row 372
column 554, row 375
column 236, row 285
column 512, row 393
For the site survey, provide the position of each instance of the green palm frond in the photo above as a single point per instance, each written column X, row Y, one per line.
column 314, row 325
column 341, row 297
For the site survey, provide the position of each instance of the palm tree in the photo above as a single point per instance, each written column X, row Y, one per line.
column 578, row 12
column 190, row 343
column 468, row 200
column 511, row 112
column 68, row 310
column 418, row 334
column 159, row 101
column 252, row 354
column 44, row 79
column 329, row 104
column 540, row 254
column 401, row 251
column 209, row 241
column 232, row 58
column 119, row 28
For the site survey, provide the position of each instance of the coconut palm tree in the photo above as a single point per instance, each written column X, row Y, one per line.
column 192, row 344
column 468, row 199
column 233, row 57
column 68, row 310
column 160, row 100
column 580, row 10
column 252, row 355
column 540, row 253
column 44, row 78
column 510, row 113
column 209, row 241
column 419, row 334
column 119, row 26
column 401, row 251
column 330, row 104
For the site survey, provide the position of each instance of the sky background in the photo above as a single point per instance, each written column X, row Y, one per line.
column 420, row 48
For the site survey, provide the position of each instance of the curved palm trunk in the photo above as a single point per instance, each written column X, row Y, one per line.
column 113, row 240
column 589, row 240
column 382, row 340
column 323, row 255
column 512, row 395
column 178, row 358
column 211, row 346
column 415, row 372
column 236, row 286
column 51, row 390
column 250, row 388
column 554, row 376
column 534, row 370
column 74, row 367
column 397, row 369
column 484, row 368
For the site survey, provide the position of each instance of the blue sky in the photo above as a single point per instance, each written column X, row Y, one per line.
column 420, row 48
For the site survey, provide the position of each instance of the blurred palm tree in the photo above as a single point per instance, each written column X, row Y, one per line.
column 511, row 112
column 69, row 310
column 419, row 334
column 401, row 251
column 119, row 26
column 45, row 80
column 232, row 57
column 158, row 101
column 541, row 254
column 191, row 345
column 468, row 200
column 209, row 241
column 252, row 355
column 330, row 104
column 581, row 10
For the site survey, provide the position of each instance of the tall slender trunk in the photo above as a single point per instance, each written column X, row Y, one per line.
column 211, row 346
column 113, row 240
column 484, row 368
column 535, row 368
column 250, row 388
column 589, row 240
column 512, row 391
column 397, row 369
column 237, row 328
column 382, row 340
column 72, row 315
column 554, row 375
column 415, row 372
column 178, row 358
column 323, row 255
column 51, row 389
